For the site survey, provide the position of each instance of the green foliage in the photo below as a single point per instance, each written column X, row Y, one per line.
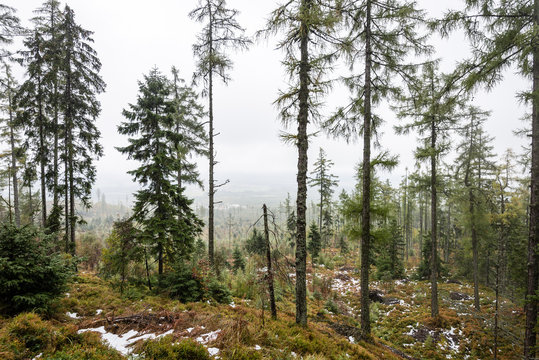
column 169, row 224
column 239, row 260
column 31, row 275
column 122, row 248
column 315, row 241
column 167, row 348
column 389, row 245
column 256, row 244
column 424, row 269
column 184, row 284
column 219, row 291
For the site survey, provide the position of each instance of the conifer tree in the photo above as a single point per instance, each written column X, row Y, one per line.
column 221, row 31
column 153, row 141
column 309, row 28
column 315, row 242
column 80, row 108
column 188, row 117
column 382, row 35
column 324, row 181
column 503, row 34
column 473, row 163
column 10, row 133
column 33, row 100
column 433, row 110
column 9, row 27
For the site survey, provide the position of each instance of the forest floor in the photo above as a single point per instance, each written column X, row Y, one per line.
column 93, row 321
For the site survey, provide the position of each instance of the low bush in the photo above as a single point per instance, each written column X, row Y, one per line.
column 168, row 349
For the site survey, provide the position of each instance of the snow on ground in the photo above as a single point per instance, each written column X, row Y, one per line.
column 73, row 315
column 122, row 343
column 206, row 338
column 98, row 311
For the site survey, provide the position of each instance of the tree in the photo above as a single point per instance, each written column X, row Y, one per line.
column 503, row 34
column 195, row 140
column 153, row 142
column 9, row 27
column 322, row 179
column 221, row 31
column 389, row 248
column 35, row 274
column 382, row 34
column 433, row 108
column 472, row 162
column 315, row 242
column 239, row 261
column 123, row 248
column 80, row 108
column 307, row 26
column 10, row 131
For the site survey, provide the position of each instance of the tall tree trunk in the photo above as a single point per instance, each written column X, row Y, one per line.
column 420, row 225
column 42, row 160
column 14, row 168
column 366, row 208
column 211, row 151
column 303, row 145
column 434, row 226
column 530, row 338
column 271, row 290
column 475, row 250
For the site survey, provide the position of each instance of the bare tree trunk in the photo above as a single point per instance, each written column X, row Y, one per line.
column 366, row 208
column 211, row 154
column 303, row 145
column 273, row 307
column 434, row 227
column 14, row 168
column 530, row 308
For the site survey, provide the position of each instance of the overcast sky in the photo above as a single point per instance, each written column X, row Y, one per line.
column 132, row 36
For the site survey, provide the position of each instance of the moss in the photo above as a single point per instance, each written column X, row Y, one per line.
column 167, row 349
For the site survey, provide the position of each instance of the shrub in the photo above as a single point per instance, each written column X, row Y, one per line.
column 166, row 349
column 219, row 292
column 32, row 276
column 184, row 285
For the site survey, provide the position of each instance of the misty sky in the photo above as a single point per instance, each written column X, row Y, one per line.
column 133, row 36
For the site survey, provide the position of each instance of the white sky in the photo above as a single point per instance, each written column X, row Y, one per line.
column 131, row 36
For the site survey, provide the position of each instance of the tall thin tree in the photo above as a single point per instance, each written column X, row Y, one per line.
column 221, row 31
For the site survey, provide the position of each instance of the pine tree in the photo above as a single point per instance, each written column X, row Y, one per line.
column 382, row 35
column 153, row 142
column 221, row 31
column 78, row 104
column 239, row 261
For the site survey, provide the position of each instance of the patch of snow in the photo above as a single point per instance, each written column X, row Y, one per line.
column 209, row 337
column 257, row 347
column 98, row 311
column 37, row 356
column 122, row 343
column 72, row 315
column 293, row 354
column 352, row 340
column 213, row 351
column 232, row 305
column 68, row 294
column 190, row 329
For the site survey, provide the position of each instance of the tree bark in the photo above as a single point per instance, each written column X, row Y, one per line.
column 14, row 169
column 366, row 206
column 303, row 145
column 434, row 226
column 211, row 151
column 271, row 290
column 530, row 337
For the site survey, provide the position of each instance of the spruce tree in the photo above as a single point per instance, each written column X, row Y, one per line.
column 153, row 142
column 10, row 133
column 221, row 31
column 188, row 117
column 80, row 108
column 324, row 182
column 9, row 27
